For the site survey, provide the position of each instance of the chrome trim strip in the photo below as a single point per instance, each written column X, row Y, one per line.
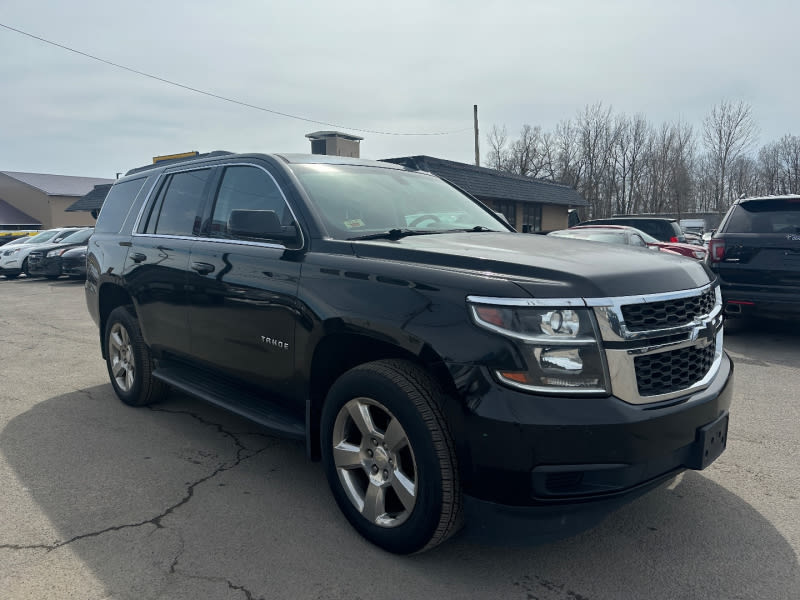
column 535, row 302
column 242, row 242
column 163, row 236
column 648, row 298
column 552, row 391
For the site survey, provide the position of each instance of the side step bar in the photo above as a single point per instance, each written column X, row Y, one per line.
column 228, row 395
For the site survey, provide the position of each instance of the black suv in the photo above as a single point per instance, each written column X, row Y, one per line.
column 756, row 254
column 436, row 361
column 661, row 228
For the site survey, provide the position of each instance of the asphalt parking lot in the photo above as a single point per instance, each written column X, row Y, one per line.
column 182, row 500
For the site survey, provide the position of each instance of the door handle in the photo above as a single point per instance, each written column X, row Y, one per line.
column 138, row 257
column 202, row 268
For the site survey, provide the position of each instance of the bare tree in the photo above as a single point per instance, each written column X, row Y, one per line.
column 498, row 153
column 597, row 137
column 525, row 154
column 569, row 162
column 728, row 132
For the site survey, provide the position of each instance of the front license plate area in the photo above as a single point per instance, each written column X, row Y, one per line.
column 711, row 442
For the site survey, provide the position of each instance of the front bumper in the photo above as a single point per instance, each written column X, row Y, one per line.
column 44, row 267
column 74, row 267
column 525, row 450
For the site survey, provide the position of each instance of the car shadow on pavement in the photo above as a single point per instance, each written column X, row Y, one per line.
column 185, row 500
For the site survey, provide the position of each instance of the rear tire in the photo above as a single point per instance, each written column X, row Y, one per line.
column 11, row 275
column 389, row 456
column 129, row 361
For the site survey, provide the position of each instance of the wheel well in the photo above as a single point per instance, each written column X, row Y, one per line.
column 339, row 353
column 111, row 296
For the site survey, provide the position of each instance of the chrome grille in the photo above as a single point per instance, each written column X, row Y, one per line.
column 672, row 370
column 668, row 313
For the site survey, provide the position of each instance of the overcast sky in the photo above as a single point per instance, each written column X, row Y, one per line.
column 401, row 67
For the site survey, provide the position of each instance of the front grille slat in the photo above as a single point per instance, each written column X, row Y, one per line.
column 668, row 313
column 672, row 370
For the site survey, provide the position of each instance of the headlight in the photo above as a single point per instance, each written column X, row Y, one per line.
column 53, row 253
column 559, row 345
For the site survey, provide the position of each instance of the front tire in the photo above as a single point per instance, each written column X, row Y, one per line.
column 129, row 361
column 389, row 457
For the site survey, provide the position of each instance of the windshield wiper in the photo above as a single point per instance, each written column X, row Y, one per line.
column 392, row 234
column 396, row 234
column 476, row 228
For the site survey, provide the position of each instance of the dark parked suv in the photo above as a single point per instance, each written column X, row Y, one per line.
column 756, row 254
column 661, row 228
column 436, row 361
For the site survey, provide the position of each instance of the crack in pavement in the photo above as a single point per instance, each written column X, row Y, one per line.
column 157, row 520
column 240, row 588
column 220, row 429
column 173, row 570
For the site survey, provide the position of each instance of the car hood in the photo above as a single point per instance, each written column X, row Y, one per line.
column 546, row 266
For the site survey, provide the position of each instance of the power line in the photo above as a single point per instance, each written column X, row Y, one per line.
column 217, row 96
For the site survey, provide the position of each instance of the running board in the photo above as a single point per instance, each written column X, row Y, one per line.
column 226, row 394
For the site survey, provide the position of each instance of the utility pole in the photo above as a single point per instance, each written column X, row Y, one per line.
column 477, row 149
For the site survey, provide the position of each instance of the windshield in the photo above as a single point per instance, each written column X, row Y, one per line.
column 355, row 201
column 18, row 241
column 78, row 237
column 43, row 237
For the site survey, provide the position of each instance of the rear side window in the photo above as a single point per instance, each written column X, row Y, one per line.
column 765, row 216
column 117, row 204
column 246, row 188
column 176, row 210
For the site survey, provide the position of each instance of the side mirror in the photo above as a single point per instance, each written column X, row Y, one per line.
column 261, row 225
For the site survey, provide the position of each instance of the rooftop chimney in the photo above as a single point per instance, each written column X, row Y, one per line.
column 334, row 143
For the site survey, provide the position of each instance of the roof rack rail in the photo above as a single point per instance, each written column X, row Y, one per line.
column 172, row 161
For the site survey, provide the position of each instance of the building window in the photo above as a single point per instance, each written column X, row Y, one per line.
column 508, row 208
column 531, row 217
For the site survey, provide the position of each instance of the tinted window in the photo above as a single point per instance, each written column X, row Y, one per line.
column 177, row 209
column 765, row 216
column 78, row 237
column 45, row 236
column 117, row 204
column 246, row 188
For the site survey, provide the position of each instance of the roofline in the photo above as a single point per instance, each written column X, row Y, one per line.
column 487, row 170
column 46, row 193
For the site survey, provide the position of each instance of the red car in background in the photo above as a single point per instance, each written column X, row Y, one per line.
column 621, row 234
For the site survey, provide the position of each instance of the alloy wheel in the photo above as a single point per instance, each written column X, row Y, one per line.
column 375, row 462
column 123, row 364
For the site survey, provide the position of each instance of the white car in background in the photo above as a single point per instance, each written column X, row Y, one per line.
column 14, row 255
